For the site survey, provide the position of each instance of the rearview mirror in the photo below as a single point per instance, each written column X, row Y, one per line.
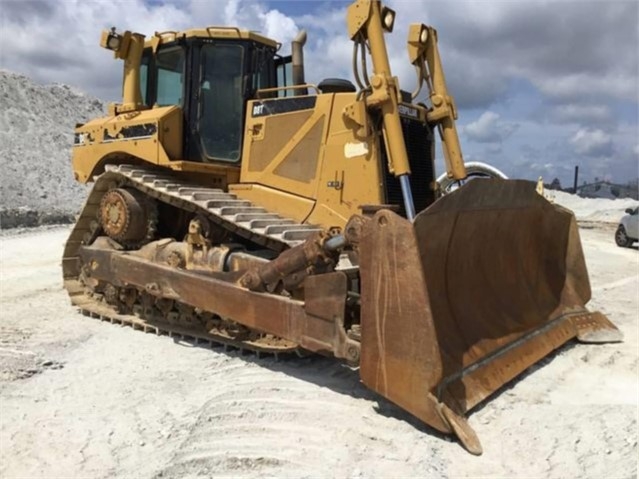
column 630, row 211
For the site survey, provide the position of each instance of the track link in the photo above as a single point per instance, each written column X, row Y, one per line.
column 95, row 308
column 238, row 216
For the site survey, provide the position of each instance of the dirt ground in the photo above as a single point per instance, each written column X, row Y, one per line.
column 82, row 398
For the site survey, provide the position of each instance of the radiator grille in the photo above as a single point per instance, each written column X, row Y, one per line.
column 420, row 148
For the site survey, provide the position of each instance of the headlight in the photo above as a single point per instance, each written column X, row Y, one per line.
column 388, row 19
column 113, row 43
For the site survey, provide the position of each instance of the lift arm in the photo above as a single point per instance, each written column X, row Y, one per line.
column 367, row 21
column 424, row 54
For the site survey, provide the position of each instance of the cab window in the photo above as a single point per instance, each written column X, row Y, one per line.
column 170, row 76
column 144, row 76
column 222, row 101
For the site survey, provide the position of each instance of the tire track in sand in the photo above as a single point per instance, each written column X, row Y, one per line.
column 297, row 418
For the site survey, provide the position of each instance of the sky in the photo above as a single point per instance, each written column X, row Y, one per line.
column 541, row 85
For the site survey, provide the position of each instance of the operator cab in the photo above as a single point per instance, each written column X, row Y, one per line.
column 210, row 74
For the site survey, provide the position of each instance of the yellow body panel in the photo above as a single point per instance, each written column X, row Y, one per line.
column 282, row 151
column 351, row 174
column 154, row 136
column 315, row 156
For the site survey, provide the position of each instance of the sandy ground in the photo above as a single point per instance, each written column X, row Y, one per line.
column 81, row 398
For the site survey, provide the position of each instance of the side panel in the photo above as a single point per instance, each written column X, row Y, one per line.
column 351, row 175
column 154, row 136
column 302, row 147
column 282, row 143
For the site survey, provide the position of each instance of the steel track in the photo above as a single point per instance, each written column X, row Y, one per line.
column 238, row 216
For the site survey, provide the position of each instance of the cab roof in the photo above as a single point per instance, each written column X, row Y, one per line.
column 218, row 32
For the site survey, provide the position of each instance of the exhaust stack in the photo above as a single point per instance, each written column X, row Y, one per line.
column 297, row 54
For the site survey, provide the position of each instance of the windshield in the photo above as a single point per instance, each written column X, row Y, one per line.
column 221, row 104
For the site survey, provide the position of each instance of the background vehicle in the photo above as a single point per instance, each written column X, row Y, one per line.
column 233, row 206
column 628, row 229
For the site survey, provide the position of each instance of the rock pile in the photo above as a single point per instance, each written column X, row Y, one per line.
column 36, row 137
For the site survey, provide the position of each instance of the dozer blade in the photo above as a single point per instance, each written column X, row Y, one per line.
column 486, row 282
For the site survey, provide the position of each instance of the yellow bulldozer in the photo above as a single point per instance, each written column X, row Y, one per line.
column 235, row 204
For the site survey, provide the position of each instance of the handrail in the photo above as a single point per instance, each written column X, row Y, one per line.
column 218, row 27
column 289, row 87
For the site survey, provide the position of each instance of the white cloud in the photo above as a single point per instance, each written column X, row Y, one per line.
column 65, row 48
column 582, row 114
column 488, row 128
column 481, row 57
column 562, row 47
column 258, row 17
column 593, row 143
column 576, row 85
column 278, row 25
column 542, row 62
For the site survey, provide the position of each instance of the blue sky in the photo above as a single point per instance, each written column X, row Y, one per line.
column 541, row 85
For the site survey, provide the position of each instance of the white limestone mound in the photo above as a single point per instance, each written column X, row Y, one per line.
column 36, row 137
column 600, row 210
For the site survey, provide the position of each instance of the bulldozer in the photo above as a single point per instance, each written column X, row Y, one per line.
column 235, row 204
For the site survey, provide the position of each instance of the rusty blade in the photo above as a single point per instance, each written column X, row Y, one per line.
column 487, row 281
column 400, row 355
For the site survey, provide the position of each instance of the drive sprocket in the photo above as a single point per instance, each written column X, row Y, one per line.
column 128, row 216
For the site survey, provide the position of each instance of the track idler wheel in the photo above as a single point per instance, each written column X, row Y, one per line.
column 127, row 216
